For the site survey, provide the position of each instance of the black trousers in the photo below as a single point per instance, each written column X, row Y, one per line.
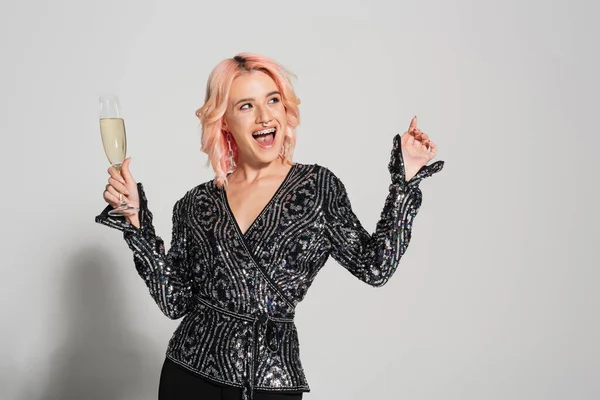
column 179, row 383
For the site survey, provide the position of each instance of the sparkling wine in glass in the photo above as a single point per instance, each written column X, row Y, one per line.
column 114, row 140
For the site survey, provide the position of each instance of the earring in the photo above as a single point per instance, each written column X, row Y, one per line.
column 282, row 152
column 232, row 164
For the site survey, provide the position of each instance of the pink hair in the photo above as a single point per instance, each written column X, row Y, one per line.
column 214, row 141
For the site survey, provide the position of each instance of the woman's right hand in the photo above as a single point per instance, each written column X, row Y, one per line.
column 123, row 183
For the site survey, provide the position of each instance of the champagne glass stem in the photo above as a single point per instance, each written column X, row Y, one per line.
column 122, row 203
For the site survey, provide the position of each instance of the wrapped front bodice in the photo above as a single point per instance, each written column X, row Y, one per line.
column 238, row 292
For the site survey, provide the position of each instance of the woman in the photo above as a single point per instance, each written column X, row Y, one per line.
column 247, row 245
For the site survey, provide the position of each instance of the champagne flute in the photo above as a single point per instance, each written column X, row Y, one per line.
column 114, row 140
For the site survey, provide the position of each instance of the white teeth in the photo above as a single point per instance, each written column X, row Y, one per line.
column 264, row 132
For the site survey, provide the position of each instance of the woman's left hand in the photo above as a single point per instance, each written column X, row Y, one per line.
column 417, row 149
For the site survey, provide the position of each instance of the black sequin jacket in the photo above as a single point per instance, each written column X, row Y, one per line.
column 238, row 292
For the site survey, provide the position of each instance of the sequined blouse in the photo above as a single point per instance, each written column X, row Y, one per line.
column 237, row 292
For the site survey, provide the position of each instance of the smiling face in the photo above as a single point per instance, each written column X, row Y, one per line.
column 256, row 118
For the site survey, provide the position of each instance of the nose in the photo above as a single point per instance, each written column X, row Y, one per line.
column 264, row 117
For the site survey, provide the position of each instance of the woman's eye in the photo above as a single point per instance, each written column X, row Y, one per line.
column 274, row 100
column 244, row 106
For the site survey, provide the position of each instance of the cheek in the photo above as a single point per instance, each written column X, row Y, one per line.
column 238, row 123
column 282, row 115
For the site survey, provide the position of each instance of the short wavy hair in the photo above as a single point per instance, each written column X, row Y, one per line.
column 214, row 141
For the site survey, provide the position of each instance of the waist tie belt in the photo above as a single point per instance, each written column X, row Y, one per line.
column 261, row 321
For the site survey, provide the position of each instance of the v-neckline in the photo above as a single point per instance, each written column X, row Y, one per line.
column 265, row 208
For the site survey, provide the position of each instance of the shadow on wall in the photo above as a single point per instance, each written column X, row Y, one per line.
column 100, row 357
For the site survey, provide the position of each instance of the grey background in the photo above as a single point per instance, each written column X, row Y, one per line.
column 496, row 297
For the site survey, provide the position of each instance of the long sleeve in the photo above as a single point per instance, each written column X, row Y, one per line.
column 373, row 258
column 166, row 274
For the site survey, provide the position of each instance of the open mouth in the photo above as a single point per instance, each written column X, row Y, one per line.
column 265, row 137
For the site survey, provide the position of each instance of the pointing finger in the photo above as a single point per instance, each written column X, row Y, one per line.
column 413, row 123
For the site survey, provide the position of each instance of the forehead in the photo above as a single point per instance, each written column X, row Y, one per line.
column 251, row 84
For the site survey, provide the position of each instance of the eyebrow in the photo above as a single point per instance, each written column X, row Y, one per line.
column 253, row 99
